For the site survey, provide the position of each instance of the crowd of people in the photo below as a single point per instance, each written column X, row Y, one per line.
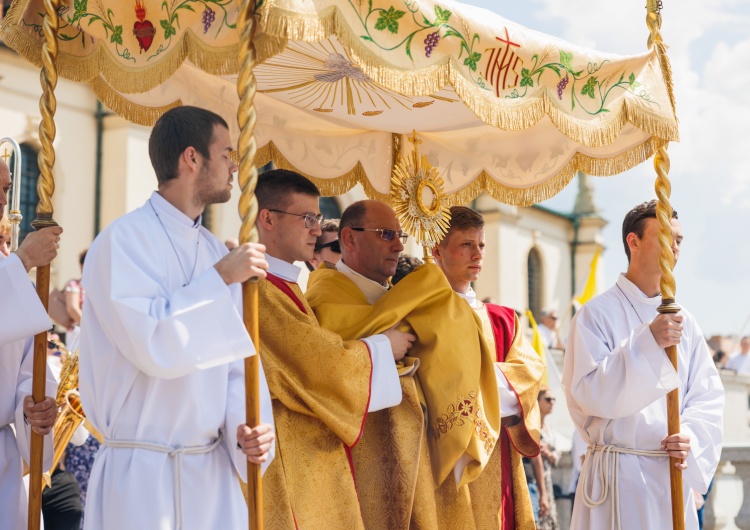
column 390, row 395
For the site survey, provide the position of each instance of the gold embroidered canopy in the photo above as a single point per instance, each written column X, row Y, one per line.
column 342, row 84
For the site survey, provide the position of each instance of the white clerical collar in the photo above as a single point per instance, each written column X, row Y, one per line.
column 282, row 269
column 471, row 297
column 635, row 294
column 370, row 288
column 164, row 207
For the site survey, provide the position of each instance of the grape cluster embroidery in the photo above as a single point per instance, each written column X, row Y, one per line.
column 561, row 86
column 431, row 42
column 209, row 15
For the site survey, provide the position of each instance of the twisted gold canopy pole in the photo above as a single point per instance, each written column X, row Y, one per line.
column 45, row 189
column 666, row 264
column 248, row 207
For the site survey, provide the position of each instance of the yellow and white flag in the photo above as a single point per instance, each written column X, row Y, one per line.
column 589, row 290
column 537, row 342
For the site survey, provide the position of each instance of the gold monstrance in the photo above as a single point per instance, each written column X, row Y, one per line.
column 418, row 198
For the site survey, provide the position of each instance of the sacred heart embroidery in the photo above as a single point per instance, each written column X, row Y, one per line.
column 143, row 29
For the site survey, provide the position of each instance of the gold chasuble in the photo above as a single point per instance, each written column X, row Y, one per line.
column 320, row 388
column 457, row 379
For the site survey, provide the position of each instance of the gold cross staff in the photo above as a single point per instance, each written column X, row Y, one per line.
column 5, row 156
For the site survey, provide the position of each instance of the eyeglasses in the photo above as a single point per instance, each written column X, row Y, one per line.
column 386, row 233
column 310, row 218
column 333, row 245
column 550, row 399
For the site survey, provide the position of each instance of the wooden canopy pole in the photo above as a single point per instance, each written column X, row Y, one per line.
column 45, row 189
column 666, row 264
column 248, row 208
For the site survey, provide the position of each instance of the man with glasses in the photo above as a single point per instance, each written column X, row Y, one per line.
column 327, row 249
column 425, row 481
column 323, row 388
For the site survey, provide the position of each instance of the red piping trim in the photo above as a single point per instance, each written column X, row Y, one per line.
column 283, row 286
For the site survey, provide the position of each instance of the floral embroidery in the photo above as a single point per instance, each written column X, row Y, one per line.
column 465, row 410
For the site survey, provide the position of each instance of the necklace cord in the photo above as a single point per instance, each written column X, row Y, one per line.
column 177, row 255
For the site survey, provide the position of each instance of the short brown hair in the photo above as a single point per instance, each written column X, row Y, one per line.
column 277, row 185
column 463, row 218
column 176, row 130
column 635, row 221
column 327, row 226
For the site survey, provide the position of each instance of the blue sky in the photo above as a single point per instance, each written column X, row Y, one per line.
column 710, row 166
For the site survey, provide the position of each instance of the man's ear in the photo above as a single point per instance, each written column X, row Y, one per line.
column 436, row 252
column 346, row 238
column 189, row 159
column 632, row 240
column 265, row 220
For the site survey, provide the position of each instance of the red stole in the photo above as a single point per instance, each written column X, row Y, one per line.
column 503, row 320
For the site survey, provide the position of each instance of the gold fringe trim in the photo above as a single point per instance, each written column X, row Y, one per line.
column 139, row 114
column 121, row 77
column 484, row 183
column 289, row 26
column 328, row 187
column 280, row 26
column 666, row 72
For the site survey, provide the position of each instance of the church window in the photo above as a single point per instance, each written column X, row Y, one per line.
column 535, row 282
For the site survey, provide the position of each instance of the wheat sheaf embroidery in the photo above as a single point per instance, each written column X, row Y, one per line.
column 466, row 409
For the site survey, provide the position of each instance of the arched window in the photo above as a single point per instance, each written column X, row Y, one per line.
column 330, row 208
column 29, row 178
column 535, row 282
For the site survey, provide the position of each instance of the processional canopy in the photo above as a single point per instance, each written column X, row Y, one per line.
column 343, row 83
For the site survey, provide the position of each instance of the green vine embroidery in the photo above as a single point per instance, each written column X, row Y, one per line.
column 112, row 31
column 586, row 88
column 171, row 23
column 387, row 20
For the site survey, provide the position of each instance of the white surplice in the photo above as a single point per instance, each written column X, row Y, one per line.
column 161, row 366
column 21, row 316
column 616, row 379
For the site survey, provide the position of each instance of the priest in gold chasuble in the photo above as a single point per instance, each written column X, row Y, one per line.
column 460, row 391
column 322, row 387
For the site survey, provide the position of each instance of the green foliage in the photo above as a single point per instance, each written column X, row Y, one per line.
column 442, row 16
column 472, row 60
column 80, row 8
column 169, row 29
column 526, row 79
column 389, row 20
column 566, row 59
column 589, row 87
column 116, row 35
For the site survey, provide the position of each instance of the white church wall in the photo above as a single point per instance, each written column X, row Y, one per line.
column 75, row 147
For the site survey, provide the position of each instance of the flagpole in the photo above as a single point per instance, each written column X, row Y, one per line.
column 44, row 211
column 248, row 208
column 668, row 285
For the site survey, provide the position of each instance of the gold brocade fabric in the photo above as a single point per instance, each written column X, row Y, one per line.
column 320, row 388
column 463, row 409
column 478, row 505
column 392, row 462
